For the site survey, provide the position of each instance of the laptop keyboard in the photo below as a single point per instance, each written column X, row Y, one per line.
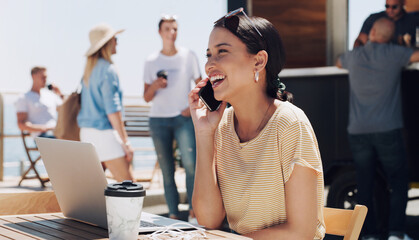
column 149, row 224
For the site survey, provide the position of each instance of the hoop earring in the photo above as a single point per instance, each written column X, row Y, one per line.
column 256, row 76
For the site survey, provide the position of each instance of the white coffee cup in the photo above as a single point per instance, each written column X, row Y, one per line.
column 124, row 203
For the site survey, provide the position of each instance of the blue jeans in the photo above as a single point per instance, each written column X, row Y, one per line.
column 387, row 149
column 163, row 132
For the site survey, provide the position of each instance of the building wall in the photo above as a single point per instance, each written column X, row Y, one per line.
column 302, row 25
column 412, row 5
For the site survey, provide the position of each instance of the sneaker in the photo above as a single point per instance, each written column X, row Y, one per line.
column 406, row 237
column 192, row 220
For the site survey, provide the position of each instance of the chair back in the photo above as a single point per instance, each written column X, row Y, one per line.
column 343, row 222
column 32, row 161
column 28, row 147
column 136, row 120
column 28, row 203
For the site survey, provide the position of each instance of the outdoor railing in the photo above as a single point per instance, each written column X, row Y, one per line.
column 130, row 100
column 1, row 137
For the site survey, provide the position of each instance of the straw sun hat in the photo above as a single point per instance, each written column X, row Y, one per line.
column 99, row 36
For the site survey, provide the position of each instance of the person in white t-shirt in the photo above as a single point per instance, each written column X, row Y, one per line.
column 170, row 117
column 37, row 109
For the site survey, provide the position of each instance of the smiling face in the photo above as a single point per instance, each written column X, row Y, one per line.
column 229, row 67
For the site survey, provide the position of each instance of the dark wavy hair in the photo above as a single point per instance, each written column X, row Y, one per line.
column 270, row 41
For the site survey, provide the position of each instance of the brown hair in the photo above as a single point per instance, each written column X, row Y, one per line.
column 166, row 19
column 104, row 52
column 268, row 40
column 37, row 69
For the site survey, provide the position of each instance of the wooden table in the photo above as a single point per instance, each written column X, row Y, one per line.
column 53, row 226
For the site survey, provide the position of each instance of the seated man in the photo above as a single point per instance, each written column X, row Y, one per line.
column 37, row 109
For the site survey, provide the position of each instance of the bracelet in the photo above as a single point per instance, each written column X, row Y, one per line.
column 127, row 143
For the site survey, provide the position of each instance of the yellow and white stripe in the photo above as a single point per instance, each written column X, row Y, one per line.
column 252, row 175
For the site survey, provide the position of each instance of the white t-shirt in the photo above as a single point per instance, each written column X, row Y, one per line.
column 183, row 70
column 41, row 108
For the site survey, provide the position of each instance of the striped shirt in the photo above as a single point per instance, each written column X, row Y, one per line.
column 252, row 175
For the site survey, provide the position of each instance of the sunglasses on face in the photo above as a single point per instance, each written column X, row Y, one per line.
column 392, row 6
column 234, row 13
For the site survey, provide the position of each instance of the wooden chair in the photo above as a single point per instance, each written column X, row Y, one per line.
column 28, row 203
column 346, row 223
column 32, row 161
column 136, row 120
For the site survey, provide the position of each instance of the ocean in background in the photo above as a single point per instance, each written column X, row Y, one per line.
column 15, row 156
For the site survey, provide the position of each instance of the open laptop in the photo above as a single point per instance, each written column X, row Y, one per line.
column 79, row 182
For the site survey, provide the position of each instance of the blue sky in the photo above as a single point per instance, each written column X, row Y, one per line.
column 54, row 33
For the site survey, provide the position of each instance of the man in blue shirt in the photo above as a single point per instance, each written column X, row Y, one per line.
column 375, row 122
column 405, row 24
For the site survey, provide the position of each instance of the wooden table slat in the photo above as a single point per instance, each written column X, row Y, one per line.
column 226, row 235
column 5, row 238
column 27, row 231
column 56, row 226
column 210, row 234
column 8, row 233
column 40, row 228
column 61, row 227
column 77, row 225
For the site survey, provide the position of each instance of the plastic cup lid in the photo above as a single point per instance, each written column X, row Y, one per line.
column 125, row 189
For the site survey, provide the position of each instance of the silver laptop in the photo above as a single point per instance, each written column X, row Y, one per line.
column 78, row 180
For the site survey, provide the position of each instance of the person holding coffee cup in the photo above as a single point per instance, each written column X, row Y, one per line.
column 258, row 162
column 168, row 75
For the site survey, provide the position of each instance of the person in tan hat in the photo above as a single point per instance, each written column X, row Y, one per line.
column 100, row 117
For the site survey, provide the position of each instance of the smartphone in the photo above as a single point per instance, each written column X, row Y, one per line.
column 206, row 94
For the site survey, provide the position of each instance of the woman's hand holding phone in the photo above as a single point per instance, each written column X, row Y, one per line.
column 205, row 121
